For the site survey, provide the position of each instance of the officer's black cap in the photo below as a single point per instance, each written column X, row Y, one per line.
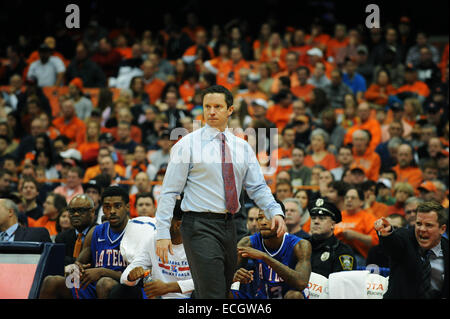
column 322, row 206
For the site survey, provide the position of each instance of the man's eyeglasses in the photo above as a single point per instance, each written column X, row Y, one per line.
column 80, row 210
column 410, row 211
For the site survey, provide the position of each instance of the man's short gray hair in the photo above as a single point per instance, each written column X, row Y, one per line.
column 9, row 204
column 295, row 201
column 413, row 200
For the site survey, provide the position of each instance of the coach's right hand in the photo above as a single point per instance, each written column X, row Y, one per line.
column 162, row 247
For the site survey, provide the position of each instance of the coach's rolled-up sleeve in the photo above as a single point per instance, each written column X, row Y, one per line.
column 173, row 185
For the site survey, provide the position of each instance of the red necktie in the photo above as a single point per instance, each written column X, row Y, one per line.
column 231, row 198
column 78, row 244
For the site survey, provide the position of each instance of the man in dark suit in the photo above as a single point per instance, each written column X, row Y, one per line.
column 418, row 255
column 82, row 221
column 10, row 230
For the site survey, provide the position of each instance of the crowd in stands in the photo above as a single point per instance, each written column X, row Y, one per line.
column 362, row 117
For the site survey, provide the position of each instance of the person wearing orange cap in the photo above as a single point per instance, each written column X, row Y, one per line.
column 83, row 105
column 427, row 190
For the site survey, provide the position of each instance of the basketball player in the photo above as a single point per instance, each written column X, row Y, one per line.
column 282, row 264
column 169, row 280
column 99, row 266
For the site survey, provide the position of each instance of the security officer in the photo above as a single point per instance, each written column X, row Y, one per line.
column 329, row 254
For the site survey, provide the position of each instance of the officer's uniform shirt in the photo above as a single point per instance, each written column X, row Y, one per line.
column 331, row 255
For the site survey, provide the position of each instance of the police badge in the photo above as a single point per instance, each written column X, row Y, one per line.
column 319, row 202
column 325, row 255
column 346, row 262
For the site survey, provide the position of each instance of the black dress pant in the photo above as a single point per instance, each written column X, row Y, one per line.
column 210, row 243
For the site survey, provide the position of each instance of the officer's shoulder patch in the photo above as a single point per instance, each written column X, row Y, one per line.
column 346, row 262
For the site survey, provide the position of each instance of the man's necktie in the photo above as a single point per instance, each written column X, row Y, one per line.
column 426, row 275
column 78, row 244
column 231, row 199
column 3, row 236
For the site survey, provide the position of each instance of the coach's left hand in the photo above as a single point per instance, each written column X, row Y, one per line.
column 279, row 224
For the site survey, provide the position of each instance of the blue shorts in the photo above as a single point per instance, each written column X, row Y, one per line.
column 89, row 293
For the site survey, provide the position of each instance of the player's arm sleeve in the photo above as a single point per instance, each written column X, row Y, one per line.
column 173, row 184
column 257, row 188
column 186, row 285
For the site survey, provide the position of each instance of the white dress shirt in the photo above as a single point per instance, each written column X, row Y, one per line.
column 195, row 168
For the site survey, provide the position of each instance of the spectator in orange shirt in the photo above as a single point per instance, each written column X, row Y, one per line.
column 253, row 93
column 274, row 51
column 320, row 155
column 73, row 184
column 413, row 87
column 229, row 72
column 213, row 65
column 143, row 186
column 357, row 226
column 69, row 124
column 262, row 40
column 93, row 171
column 191, row 54
column 123, row 114
column 54, row 205
column 317, row 38
column 303, row 89
column 366, row 123
column 379, row 92
column 363, row 156
column 121, row 45
column 283, row 154
column 89, row 148
column 406, row 169
column 298, row 45
column 340, row 40
column 280, row 113
column 290, row 72
column 153, row 85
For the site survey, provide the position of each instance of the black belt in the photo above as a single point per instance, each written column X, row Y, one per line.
column 209, row 215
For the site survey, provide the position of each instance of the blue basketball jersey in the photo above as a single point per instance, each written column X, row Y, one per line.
column 271, row 285
column 105, row 248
